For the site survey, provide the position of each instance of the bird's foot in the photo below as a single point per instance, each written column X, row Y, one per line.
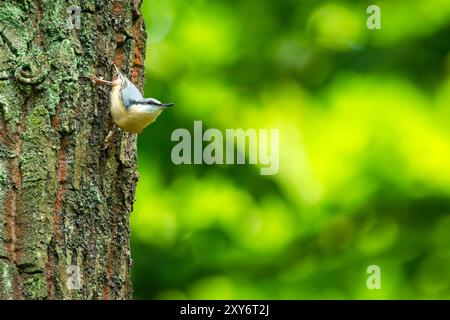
column 99, row 80
column 108, row 140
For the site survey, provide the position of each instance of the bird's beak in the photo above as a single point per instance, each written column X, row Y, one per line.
column 166, row 105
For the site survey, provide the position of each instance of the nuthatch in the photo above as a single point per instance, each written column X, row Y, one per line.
column 129, row 109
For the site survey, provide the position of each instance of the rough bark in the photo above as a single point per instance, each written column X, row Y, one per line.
column 63, row 199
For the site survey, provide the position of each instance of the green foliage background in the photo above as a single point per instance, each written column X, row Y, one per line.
column 364, row 151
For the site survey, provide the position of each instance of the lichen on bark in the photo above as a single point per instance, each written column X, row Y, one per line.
column 64, row 201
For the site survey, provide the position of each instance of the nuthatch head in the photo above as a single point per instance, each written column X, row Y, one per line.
column 129, row 109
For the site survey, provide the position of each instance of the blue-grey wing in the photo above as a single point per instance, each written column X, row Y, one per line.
column 130, row 94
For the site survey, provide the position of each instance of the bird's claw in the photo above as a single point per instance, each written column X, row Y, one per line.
column 108, row 141
column 98, row 80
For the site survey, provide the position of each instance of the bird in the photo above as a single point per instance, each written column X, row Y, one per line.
column 130, row 111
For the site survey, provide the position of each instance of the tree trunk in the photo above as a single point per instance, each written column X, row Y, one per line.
column 64, row 201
